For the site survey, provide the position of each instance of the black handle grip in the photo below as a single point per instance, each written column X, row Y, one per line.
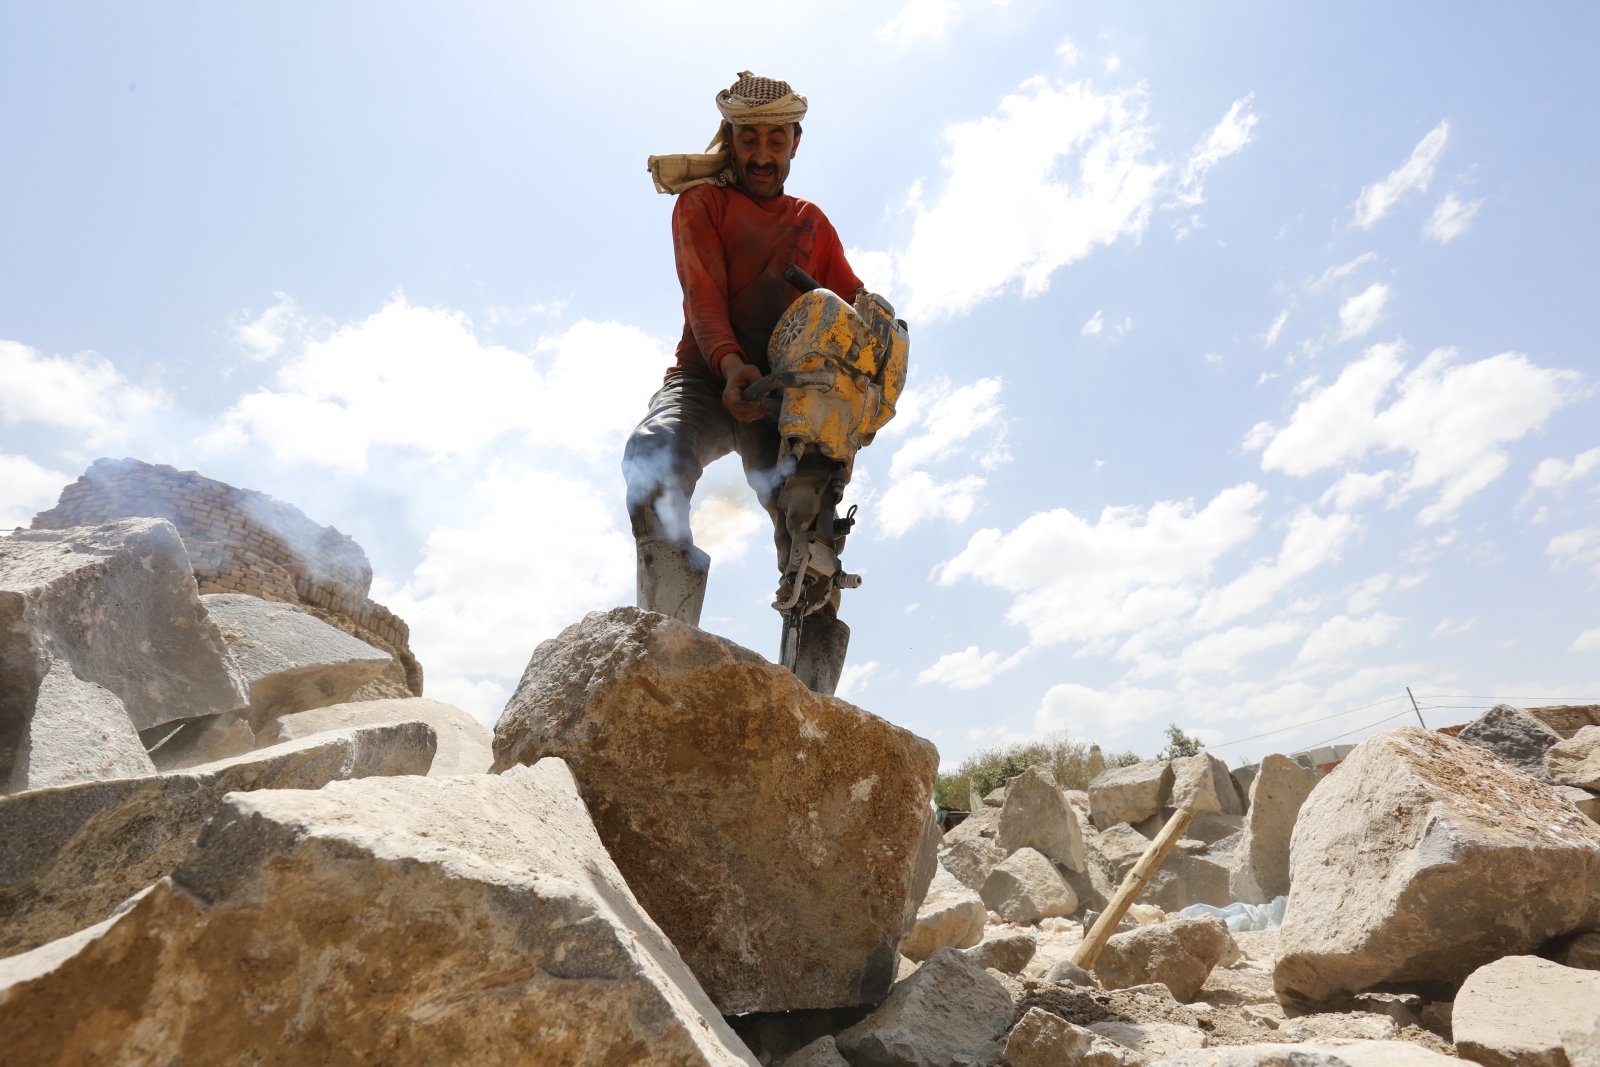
column 801, row 280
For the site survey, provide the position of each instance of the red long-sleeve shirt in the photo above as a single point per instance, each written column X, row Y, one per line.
column 732, row 251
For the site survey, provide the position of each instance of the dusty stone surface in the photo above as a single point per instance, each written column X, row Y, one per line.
column 447, row 920
column 1178, row 954
column 1420, row 859
column 1036, row 815
column 1513, row 1012
column 1582, row 952
column 950, row 1012
column 1261, row 862
column 1576, row 761
column 1587, row 803
column 1129, row 794
column 465, row 744
column 1041, row 1039
column 1007, row 953
column 951, row 916
column 77, row 732
column 1243, row 779
column 776, row 836
column 118, row 605
column 1512, row 735
column 1202, row 783
column 1151, row 1040
column 287, row 659
column 1315, row 1054
column 203, row 740
column 1026, row 887
column 823, row 1052
column 1211, row 827
column 73, row 853
column 970, row 859
column 1346, row 1026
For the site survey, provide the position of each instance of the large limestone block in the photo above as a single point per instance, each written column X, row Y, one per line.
column 1129, row 794
column 1514, row 736
column 78, row 732
column 1315, row 1054
column 1261, row 862
column 950, row 1012
column 1036, row 815
column 1026, row 887
column 465, row 744
column 777, row 836
column 1576, row 761
column 74, row 852
column 1516, row 1011
column 1044, row 1039
column 1202, row 783
column 971, row 859
column 1178, row 954
column 1007, row 953
column 1421, row 858
column 951, row 916
column 287, row 659
column 118, row 605
column 474, row 919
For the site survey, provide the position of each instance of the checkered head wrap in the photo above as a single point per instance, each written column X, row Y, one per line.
column 751, row 100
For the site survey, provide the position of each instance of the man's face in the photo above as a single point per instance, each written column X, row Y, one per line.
column 761, row 155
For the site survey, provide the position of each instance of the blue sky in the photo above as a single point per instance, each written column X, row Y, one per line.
column 1252, row 381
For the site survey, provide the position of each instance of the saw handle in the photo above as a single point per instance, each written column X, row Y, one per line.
column 801, row 280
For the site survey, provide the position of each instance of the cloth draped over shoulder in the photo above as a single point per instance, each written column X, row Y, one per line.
column 750, row 100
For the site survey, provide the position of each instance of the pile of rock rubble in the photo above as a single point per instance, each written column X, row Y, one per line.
column 671, row 852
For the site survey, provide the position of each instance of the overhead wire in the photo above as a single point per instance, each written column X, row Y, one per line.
column 1308, row 722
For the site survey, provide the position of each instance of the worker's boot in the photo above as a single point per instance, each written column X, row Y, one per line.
column 672, row 578
column 819, row 657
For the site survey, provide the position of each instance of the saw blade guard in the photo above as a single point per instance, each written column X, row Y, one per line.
column 851, row 363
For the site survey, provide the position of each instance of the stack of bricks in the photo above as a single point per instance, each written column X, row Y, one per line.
column 239, row 541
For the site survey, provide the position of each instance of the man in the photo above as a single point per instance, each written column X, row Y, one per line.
column 734, row 231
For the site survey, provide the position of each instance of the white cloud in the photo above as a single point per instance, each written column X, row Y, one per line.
column 1077, row 581
column 918, row 20
column 967, row 669
column 1312, row 541
column 1451, row 419
column 940, row 424
column 1075, row 168
column 875, row 269
column 1339, row 272
column 1095, row 324
column 1555, row 473
column 1368, row 594
column 1330, row 644
column 854, row 678
column 1378, row 199
column 1221, row 652
column 1075, row 708
column 1451, row 218
column 489, row 589
column 420, row 379
column 1228, row 137
column 26, row 489
column 1275, row 331
column 1359, row 314
column 1355, row 488
column 1588, row 641
column 266, row 335
column 1576, row 548
column 918, row 496
column 84, row 392
column 946, row 419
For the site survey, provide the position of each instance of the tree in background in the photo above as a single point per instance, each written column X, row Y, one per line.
column 987, row 770
column 1180, row 744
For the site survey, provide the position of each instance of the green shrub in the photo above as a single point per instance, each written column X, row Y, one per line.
column 984, row 771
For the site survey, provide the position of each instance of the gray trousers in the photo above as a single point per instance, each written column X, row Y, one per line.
column 687, row 430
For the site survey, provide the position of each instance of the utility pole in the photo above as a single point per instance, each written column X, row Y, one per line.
column 1415, row 708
